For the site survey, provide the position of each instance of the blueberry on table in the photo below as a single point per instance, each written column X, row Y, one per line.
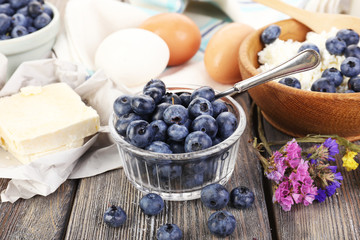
column 140, row 133
column 157, row 83
column 323, row 85
column 270, row 34
column 122, row 105
column 5, row 23
column 335, row 46
column 159, row 147
column 241, row 197
column 177, row 132
column 197, row 141
column 200, row 106
column 206, row 124
column 350, row 67
column 142, row 104
column 221, row 223
column 160, row 128
column 169, row 232
column 354, row 84
column 151, row 204
column 291, row 82
column 114, row 216
column 349, row 36
column 334, row 74
column 312, row 46
column 19, row 31
column 205, row 92
column 218, row 107
column 352, row 51
column 177, row 114
column 227, row 124
column 123, row 122
column 215, row 196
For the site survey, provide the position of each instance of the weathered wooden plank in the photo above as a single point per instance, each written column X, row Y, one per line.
column 97, row 193
column 39, row 217
column 336, row 218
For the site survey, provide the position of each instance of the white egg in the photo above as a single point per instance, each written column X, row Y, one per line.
column 131, row 57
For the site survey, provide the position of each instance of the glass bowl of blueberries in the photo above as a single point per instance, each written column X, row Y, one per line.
column 28, row 30
column 173, row 141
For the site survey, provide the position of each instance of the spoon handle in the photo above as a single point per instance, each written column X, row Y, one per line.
column 304, row 61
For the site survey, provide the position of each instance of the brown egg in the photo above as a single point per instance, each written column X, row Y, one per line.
column 180, row 33
column 222, row 51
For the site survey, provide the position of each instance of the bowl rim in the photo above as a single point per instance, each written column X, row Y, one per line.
column 41, row 34
column 245, row 61
column 153, row 156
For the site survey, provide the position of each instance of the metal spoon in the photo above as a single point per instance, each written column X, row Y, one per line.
column 304, row 61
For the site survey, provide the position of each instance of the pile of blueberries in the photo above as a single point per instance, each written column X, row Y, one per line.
column 22, row 17
column 214, row 196
column 344, row 43
column 167, row 122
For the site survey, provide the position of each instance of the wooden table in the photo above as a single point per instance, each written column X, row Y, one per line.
column 76, row 209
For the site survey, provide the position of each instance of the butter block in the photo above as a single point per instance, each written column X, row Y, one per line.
column 42, row 120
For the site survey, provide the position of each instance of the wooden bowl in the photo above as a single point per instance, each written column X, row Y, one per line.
column 299, row 112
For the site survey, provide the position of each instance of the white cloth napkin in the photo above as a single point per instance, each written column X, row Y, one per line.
column 86, row 24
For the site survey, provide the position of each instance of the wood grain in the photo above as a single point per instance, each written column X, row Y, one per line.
column 97, row 193
column 336, row 218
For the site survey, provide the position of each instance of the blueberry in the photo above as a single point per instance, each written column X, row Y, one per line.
column 197, row 141
column 334, row 74
column 160, row 128
column 206, row 124
column 241, row 197
column 5, row 23
column 227, row 124
column 204, row 92
column 218, row 107
column 349, row 36
column 18, row 3
column 312, row 46
column 19, row 31
column 155, row 93
column 156, row 83
column 270, row 34
column 114, row 216
column 31, row 29
column 23, row 11
column 335, row 46
column 352, row 51
column 171, row 98
column 185, row 98
column 200, row 106
column 215, row 196
column 216, row 141
column 142, row 104
column 48, row 10
column 177, row 132
column 41, row 20
column 195, row 167
column 350, row 67
column 167, row 171
column 159, row 147
column 194, row 180
column 159, row 111
column 123, row 122
column 151, row 204
column 6, row 9
column 176, row 147
column 35, row 9
column 323, row 85
column 19, row 19
column 221, row 223
column 291, row 82
column 354, row 84
column 140, row 133
column 4, row 37
column 187, row 124
column 175, row 114
column 169, row 232
column 122, row 105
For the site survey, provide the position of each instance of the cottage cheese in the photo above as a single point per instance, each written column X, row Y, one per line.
column 279, row 51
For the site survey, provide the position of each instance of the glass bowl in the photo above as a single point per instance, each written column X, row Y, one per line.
column 179, row 177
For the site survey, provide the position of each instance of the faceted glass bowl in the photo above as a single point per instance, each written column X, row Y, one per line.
column 179, row 177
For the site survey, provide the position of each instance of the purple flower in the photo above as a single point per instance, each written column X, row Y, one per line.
column 330, row 189
column 333, row 148
column 338, row 176
column 333, row 169
column 321, row 195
